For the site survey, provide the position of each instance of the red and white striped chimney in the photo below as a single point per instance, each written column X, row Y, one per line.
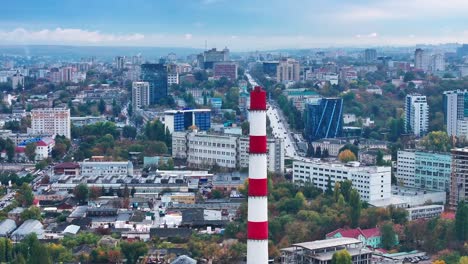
column 257, row 214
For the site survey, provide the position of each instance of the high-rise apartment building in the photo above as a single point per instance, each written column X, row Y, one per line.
column 323, row 118
column 17, row 80
column 459, row 177
column 424, row 170
column 288, row 70
column 416, row 114
column 437, row 62
column 207, row 59
column 422, row 60
column 370, row 55
column 51, row 121
column 66, row 74
column 156, row 75
column 225, row 69
column 119, row 62
column 140, row 94
column 456, row 113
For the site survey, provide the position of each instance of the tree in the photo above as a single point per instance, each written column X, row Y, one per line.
column 129, row 132
column 346, row 156
column 132, row 251
column 352, row 147
column 329, row 190
column 126, row 192
column 32, row 212
column 6, row 250
column 436, row 141
column 463, row 260
column 345, row 187
column 356, row 206
column 81, row 192
column 30, row 151
column 341, row 257
column 216, row 194
column 388, row 235
column 336, row 192
column 102, row 106
column 461, row 221
column 95, row 192
column 24, row 195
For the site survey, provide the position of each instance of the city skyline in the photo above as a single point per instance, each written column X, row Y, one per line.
column 240, row 25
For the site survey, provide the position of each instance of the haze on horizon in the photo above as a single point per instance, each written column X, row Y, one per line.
column 241, row 25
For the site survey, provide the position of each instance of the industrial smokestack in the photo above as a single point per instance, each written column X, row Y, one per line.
column 257, row 215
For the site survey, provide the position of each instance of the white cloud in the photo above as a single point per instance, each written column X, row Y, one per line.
column 236, row 42
column 66, row 35
column 400, row 9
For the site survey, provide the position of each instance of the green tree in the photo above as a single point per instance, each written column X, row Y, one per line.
column 30, row 151
column 24, row 195
column 6, row 250
column 129, row 132
column 356, row 206
column 132, row 251
column 341, row 257
column 81, row 192
column 461, row 221
column 436, row 141
column 32, row 212
column 388, row 235
column 329, row 190
column 102, row 106
column 345, row 187
column 130, row 110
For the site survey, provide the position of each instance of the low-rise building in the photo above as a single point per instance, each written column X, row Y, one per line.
column 225, row 150
column 7, row 226
column 424, row 212
column 370, row 237
column 321, row 251
column 333, row 145
column 372, row 182
column 101, row 168
column 28, row 227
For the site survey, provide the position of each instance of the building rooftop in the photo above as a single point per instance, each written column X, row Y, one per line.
column 7, row 226
column 327, row 243
column 29, row 226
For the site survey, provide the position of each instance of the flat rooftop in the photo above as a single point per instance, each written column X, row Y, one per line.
column 328, row 243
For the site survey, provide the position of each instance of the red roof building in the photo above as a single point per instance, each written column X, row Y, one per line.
column 370, row 237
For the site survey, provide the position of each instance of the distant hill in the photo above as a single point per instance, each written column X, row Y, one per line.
column 77, row 52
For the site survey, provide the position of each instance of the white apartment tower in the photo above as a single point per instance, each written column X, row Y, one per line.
column 140, row 94
column 51, row 121
column 416, row 114
column 456, row 117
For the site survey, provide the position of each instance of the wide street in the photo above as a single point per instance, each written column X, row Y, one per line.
column 279, row 126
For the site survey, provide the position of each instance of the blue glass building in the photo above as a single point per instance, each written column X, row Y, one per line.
column 156, row 75
column 323, row 118
column 181, row 120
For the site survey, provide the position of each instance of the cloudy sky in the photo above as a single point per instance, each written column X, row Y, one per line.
column 238, row 24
